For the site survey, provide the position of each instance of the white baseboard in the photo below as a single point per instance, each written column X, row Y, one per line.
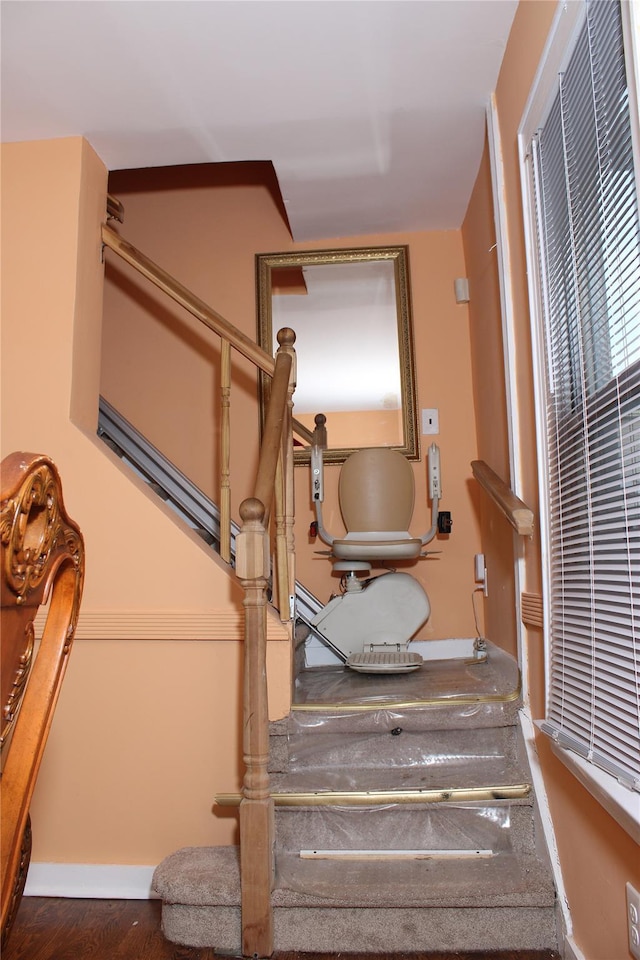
column 99, row 881
column 571, row 950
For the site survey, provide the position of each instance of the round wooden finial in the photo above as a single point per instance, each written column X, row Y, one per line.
column 286, row 337
column 252, row 509
column 320, row 419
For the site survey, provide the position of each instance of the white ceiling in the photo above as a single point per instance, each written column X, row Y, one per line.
column 372, row 111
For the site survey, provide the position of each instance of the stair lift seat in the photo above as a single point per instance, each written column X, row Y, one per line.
column 370, row 625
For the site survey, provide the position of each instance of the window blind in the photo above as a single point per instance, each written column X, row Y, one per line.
column 588, row 235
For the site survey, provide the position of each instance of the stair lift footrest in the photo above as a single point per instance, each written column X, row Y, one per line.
column 386, row 662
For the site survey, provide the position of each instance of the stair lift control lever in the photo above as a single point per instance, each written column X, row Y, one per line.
column 433, row 469
column 317, row 475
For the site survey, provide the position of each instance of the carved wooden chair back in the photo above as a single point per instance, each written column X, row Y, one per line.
column 42, row 561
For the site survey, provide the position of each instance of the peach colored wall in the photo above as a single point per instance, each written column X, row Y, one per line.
column 131, row 713
column 490, row 407
column 160, row 366
column 597, row 856
column 208, row 237
column 353, row 428
column 443, row 379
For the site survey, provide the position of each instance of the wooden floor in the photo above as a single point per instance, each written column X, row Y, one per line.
column 60, row 929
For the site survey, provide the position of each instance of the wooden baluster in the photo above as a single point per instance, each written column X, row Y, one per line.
column 285, row 552
column 287, row 343
column 272, row 433
column 256, row 807
column 225, row 450
column 281, row 566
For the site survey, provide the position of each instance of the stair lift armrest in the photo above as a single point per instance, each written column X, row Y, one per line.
column 430, row 534
column 322, row 533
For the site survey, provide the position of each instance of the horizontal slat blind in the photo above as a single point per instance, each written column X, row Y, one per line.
column 589, row 264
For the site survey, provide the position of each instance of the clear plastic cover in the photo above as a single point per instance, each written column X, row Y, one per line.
column 398, row 759
column 357, row 734
column 460, row 848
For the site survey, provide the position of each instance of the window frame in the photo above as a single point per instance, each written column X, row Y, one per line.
column 621, row 803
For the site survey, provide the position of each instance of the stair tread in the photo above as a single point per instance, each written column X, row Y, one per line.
column 436, row 681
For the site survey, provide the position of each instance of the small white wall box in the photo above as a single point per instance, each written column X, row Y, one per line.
column 461, row 286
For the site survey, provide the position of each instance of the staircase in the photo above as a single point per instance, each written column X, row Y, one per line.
column 405, row 821
column 404, row 814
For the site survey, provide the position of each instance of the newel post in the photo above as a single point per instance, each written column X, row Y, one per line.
column 256, row 806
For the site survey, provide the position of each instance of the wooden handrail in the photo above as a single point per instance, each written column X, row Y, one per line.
column 270, row 449
column 302, row 431
column 515, row 510
column 115, row 210
column 225, row 450
column 182, row 295
column 197, row 308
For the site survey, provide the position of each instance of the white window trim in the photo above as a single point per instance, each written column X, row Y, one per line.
column 622, row 804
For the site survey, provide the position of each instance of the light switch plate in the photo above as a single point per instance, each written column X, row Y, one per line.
column 430, row 422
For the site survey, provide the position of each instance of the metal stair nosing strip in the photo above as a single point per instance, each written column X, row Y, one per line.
column 464, row 699
column 311, row 798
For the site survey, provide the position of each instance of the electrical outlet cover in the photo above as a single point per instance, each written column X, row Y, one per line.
column 633, row 920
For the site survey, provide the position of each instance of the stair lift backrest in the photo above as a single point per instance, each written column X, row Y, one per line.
column 376, row 491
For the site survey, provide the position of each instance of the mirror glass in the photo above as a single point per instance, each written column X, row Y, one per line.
column 350, row 310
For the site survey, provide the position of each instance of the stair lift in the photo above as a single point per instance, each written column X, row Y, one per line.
column 369, row 625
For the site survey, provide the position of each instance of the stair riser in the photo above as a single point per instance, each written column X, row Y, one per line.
column 401, row 749
column 353, row 930
column 426, row 717
column 432, row 826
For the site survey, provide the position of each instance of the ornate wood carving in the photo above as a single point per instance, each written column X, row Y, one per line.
column 20, row 881
column 41, row 562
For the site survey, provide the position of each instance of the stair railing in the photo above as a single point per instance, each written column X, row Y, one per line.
column 230, row 337
column 514, row 509
column 252, row 566
column 273, row 490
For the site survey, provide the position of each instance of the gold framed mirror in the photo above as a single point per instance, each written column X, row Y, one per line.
column 351, row 312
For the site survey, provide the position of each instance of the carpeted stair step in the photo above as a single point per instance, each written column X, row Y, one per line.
column 201, row 892
column 501, row 829
column 395, row 749
column 405, row 821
